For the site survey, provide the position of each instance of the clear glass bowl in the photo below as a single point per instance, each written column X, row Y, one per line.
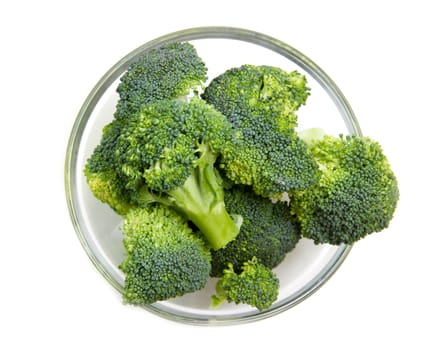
column 304, row 270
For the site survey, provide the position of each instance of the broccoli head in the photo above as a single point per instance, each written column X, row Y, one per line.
column 256, row 285
column 356, row 195
column 165, row 258
column 167, row 153
column 264, row 91
column 268, row 231
column 171, row 71
column 260, row 102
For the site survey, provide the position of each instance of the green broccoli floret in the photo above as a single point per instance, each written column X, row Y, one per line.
column 168, row 153
column 261, row 104
column 171, row 71
column 268, row 231
column 356, row 195
column 105, row 183
column 256, row 285
column 165, row 258
column 270, row 92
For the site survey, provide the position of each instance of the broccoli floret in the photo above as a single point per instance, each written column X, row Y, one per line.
column 165, row 258
column 356, row 195
column 168, row 153
column 260, row 102
column 266, row 91
column 256, row 285
column 268, row 231
column 170, row 71
column 105, row 183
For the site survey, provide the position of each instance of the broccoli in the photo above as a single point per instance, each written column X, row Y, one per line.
column 256, row 285
column 171, row 71
column 266, row 91
column 167, row 72
column 198, row 177
column 165, row 258
column 268, row 231
column 167, row 153
column 356, row 195
column 260, row 102
column 105, row 183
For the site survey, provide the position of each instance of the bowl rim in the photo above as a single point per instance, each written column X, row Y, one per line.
column 192, row 34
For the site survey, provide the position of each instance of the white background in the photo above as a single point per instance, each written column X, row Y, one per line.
column 384, row 56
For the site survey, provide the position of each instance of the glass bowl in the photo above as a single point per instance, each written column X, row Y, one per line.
column 304, row 270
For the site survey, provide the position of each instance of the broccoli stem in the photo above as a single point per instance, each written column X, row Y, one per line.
column 201, row 199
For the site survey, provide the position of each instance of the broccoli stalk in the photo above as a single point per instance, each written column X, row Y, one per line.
column 201, row 200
